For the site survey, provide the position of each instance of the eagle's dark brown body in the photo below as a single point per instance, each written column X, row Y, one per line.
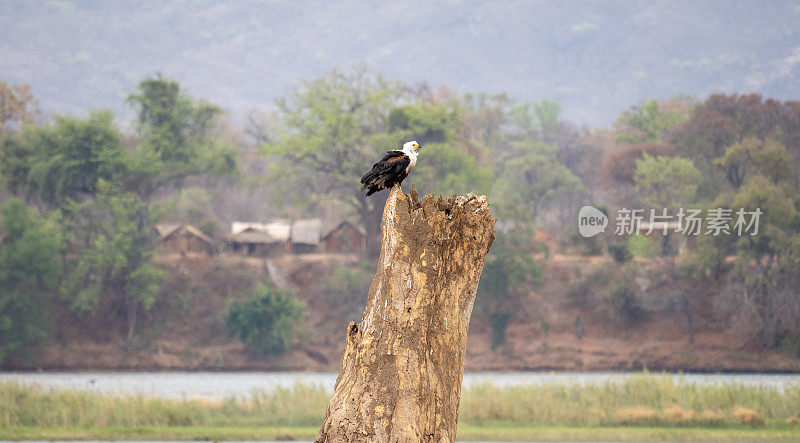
column 392, row 169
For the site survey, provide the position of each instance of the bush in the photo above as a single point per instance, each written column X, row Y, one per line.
column 592, row 246
column 265, row 322
column 611, row 289
column 588, row 285
column 791, row 343
column 624, row 302
column 620, row 253
column 499, row 322
column 641, row 246
column 510, row 273
column 29, row 269
column 587, row 246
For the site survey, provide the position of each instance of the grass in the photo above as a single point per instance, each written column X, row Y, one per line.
column 646, row 400
column 625, row 433
column 465, row 433
column 32, row 406
column 162, row 433
column 643, row 407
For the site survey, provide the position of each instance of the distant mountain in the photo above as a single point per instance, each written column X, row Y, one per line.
column 595, row 58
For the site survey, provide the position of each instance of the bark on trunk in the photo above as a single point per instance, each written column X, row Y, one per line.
column 401, row 373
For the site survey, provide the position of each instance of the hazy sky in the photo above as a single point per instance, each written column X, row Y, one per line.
column 596, row 58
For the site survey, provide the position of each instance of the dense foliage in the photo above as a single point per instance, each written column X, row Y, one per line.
column 267, row 321
column 29, row 269
column 103, row 191
column 81, row 198
column 509, row 276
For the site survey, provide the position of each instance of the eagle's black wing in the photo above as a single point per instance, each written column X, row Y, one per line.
column 391, row 154
column 386, row 173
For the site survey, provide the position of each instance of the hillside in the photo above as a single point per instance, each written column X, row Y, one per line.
column 595, row 58
column 188, row 332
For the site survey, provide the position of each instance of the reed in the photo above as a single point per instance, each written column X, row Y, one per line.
column 646, row 399
column 641, row 400
column 26, row 405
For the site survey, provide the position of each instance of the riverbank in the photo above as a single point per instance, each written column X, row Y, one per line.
column 189, row 334
column 643, row 407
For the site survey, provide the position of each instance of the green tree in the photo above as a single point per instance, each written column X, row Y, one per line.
column 333, row 128
column 66, row 159
column 178, row 138
column 448, row 168
column 548, row 117
column 666, row 182
column 191, row 205
column 425, row 122
column 29, row 269
column 753, row 156
column 523, row 122
column 765, row 263
column 15, row 158
column 509, row 275
column 663, row 182
column 446, row 171
column 266, row 320
column 534, row 180
column 623, row 301
column 646, row 122
column 117, row 263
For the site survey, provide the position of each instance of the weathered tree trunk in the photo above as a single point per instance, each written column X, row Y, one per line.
column 401, row 373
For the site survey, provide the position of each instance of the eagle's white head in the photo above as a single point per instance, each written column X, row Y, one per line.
column 411, row 146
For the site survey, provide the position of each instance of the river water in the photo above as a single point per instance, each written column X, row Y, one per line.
column 241, row 384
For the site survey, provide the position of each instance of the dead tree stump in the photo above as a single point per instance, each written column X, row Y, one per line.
column 401, row 373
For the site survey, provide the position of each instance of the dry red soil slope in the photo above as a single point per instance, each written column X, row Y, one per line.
column 187, row 331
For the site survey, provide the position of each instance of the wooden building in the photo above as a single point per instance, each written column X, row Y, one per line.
column 259, row 239
column 306, row 235
column 182, row 238
column 269, row 239
column 345, row 238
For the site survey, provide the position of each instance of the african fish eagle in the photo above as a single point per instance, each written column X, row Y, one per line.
column 392, row 169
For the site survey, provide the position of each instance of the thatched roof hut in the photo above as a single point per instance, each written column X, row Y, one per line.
column 345, row 238
column 182, row 238
column 306, row 235
column 259, row 239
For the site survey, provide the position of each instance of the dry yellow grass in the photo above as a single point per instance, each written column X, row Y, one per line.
column 636, row 415
column 748, row 416
column 678, row 414
column 712, row 416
